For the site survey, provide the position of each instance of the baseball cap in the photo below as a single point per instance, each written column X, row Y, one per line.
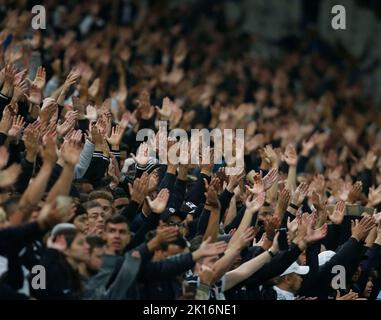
column 325, row 256
column 296, row 268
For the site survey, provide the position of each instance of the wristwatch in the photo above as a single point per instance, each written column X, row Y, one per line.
column 270, row 253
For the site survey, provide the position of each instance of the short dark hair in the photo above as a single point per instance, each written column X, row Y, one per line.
column 95, row 242
column 69, row 235
column 116, row 219
column 100, row 194
column 91, row 204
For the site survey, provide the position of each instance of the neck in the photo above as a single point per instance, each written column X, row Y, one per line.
column 83, row 270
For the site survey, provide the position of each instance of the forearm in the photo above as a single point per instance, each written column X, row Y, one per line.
column 213, row 225
column 63, row 184
column 25, row 176
column 224, row 264
column 232, row 212
column 35, row 191
column 291, row 178
column 225, row 199
column 246, row 270
column 245, row 223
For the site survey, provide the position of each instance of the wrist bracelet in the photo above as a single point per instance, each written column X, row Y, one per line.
column 270, row 253
column 294, row 206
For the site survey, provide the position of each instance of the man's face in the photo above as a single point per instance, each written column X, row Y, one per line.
column 79, row 249
column 106, row 206
column 175, row 221
column 95, row 261
column 117, row 237
column 294, row 282
column 96, row 218
column 80, row 222
column 120, row 203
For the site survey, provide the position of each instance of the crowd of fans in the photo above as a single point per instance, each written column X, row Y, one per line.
column 82, row 198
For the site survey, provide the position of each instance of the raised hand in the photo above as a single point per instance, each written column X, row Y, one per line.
column 208, row 249
column 139, row 188
column 9, row 77
column 374, row 196
column 40, row 79
column 206, row 165
column 91, row 113
column 19, row 91
column 211, row 196
column 6, row 121
column 283, row 200
column 245, row 239
column 234, row 178
column 142, row 154
column 355, row 192
column 338, row 213
column 35, row 94
column 369, row 160
column 71, row 79
column 17, row 126
column 166, row 109
column 49, row 107
column 255, row 202
column 31, row 139
column 116, row 136
column 290, row 156
column 159, row 204
column 308, row 145
column 67, row 125
column 292, row 226
column 361, row 229
column 271, row 225
column 258, row 186
column 71, row 151
column 314, row 235
column 270, row 178
column 299, row 194
column 271, row 156
column 48, row 151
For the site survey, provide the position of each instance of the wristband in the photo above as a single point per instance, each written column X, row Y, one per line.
column 294, row 206
column 270, row 253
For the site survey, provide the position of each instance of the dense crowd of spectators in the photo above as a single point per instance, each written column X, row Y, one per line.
column 105, row 219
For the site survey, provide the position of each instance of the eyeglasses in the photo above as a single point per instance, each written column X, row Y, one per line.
column 176, row 224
